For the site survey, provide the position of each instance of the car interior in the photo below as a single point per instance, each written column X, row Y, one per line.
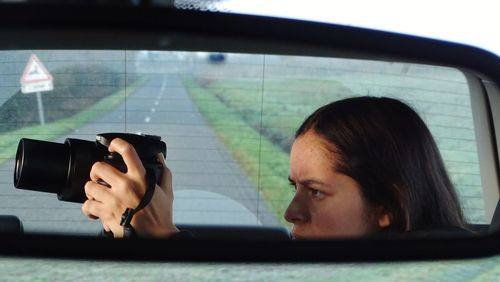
column 226, row 93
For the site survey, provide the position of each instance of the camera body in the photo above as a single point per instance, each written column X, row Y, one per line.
column 65, row 168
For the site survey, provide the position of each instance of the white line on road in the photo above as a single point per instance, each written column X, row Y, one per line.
column 163, row 86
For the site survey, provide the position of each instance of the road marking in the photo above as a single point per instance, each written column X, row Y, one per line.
column 163, row 86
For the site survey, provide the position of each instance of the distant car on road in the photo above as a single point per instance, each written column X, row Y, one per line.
column 216, row 58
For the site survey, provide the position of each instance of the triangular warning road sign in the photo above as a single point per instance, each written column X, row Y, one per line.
column 35, row 71
column 35, row 77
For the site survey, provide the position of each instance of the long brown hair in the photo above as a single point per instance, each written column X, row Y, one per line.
column 385, row 146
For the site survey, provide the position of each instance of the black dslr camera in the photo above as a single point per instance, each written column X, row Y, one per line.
column 65, row 168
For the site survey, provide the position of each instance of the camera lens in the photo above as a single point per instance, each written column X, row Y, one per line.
column 64, row 169
column 41, row 165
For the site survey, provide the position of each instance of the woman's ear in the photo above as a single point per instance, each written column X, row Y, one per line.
column 384, row 220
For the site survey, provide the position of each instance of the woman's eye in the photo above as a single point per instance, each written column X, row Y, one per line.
column 316, row 193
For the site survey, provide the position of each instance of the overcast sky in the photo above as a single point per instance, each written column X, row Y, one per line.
column 474, row 22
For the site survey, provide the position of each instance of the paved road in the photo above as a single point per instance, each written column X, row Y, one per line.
column 209, row 186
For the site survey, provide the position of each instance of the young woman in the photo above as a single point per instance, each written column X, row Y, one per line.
column 367, row 164
column 359, row 166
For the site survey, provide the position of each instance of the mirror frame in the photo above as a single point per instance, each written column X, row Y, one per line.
column 154, row 28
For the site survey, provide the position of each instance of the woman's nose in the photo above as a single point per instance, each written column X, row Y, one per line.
column 297, row 210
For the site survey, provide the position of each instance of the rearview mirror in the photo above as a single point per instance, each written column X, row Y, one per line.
column 228, row 93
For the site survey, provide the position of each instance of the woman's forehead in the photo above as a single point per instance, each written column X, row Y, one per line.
column 310, row 155
column 312, row 143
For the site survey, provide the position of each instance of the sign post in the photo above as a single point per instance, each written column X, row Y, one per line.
column 36, row 79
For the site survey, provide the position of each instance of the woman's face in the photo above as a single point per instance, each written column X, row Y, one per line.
column 326, row 203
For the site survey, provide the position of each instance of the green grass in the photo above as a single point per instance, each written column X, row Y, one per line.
column 53, row 130
column 279, row 109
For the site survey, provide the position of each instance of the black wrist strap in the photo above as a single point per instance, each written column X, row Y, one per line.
column 128, row 214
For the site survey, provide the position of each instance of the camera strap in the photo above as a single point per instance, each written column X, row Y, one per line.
column 128, row 230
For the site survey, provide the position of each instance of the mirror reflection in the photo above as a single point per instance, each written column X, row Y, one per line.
column 322, row 147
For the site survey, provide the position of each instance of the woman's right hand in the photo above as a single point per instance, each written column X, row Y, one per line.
column 126, row 191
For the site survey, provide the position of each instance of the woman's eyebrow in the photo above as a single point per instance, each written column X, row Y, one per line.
column 312, row 182
column 307, row 182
